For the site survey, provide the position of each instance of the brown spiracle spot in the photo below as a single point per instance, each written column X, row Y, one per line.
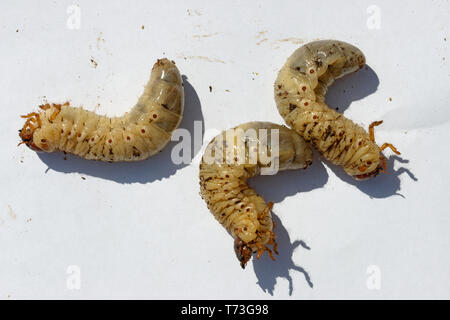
column 292, row 106
column 143, row 130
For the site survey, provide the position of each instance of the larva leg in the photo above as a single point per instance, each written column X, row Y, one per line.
column 388, row 145
column 372, row 137
column 224, row 187
column 299, row 94
column 55, row 113
column 137, row 135
column 372, row 131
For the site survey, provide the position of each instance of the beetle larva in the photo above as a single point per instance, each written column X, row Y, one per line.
column 224, row 187
column 300, row 97
column 136, row 135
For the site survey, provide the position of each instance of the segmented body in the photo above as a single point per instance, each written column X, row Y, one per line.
column 300, row 97
column 224, row 185
column 136, row 135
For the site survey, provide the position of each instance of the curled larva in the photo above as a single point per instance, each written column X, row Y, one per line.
column 136, row 135
column 300, row 97
column 233, row 157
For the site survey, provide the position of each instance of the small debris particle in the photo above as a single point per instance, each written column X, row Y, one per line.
column 227, row 90
column 261, row 41
column 142, row 27
column 17, row 30
column 445, row 39
column 390, row 99
column 210, row 89
column 12, row 214
column 83, row 178
column 29, row 219
column 337, row 108
column 94, row 63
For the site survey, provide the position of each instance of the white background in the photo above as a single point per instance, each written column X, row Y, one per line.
column 141, row 230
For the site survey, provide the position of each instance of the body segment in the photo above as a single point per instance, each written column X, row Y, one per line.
column 300, row 91
column 224, row 186
column 136, row 135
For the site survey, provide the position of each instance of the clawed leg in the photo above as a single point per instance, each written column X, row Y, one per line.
column 383, row 163
column 261, row 249
column 385, row 145
column 388, row 145
column 273, row 242
column 56, row 112
column 32, row 117
column 372, row 131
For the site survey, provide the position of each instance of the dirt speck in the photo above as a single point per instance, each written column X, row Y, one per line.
column 199, row 36
column 210, row 89
column 94, row 63
column 17, row 30
column 202, row 58
column 12, row 214
column 100, row 40
column 29, row 219
column 390, row 99
column 227, row 90
column 261, row 41
column 142, row 27
column 292, row 40
column 83, row 178
column 261, row 33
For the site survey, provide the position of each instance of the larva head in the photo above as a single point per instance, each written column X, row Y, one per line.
column 367, row 172
column 26, row 134
column 243, row 251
